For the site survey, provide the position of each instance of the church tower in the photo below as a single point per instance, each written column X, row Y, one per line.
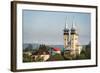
column 66, row 36
column 74, row 40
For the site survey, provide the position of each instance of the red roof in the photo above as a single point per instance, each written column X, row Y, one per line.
column 56, row 49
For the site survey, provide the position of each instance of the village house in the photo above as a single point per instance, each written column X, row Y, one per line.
column 41, row 56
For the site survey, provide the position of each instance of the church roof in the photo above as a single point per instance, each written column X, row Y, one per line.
column 66, row 30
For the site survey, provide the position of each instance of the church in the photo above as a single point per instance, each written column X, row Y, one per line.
column 71, row 41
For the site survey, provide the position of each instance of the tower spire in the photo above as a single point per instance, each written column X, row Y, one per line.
column 66, row 22
column 73, row 23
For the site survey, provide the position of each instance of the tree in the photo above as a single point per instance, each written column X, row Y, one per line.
column 43, row 48
column 86, row 52
column 28, row 48
column 27, row 58
column 56, row 57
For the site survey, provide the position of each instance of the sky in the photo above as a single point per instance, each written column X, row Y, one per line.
column 46, row 27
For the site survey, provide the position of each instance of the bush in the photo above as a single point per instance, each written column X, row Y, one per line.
column 27, row 58
column 56, row 57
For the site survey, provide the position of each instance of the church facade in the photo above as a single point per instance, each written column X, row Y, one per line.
column 71, row 41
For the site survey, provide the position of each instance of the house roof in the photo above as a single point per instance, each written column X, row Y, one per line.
column 56, row 49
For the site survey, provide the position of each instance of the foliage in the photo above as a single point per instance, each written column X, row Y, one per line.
column 85, row 53
column 28, row 48
column 67, row 55
column 27, row 58
column 56, row 57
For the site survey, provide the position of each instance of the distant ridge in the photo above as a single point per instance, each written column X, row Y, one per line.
column 35, row 45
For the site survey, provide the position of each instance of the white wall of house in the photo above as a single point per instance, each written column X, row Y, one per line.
column 45, row 57
column 59, row 52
